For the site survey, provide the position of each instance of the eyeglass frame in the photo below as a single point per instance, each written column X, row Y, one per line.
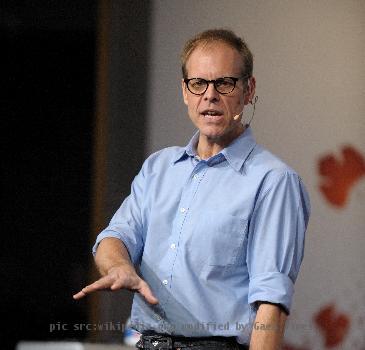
column 186, row 81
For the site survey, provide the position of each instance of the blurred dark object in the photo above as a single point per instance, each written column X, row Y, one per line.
column 47, row 113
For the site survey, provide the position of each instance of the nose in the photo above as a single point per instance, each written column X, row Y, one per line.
column 211, row 94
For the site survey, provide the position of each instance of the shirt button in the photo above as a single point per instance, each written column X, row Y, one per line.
column 196, row 177
column 165, row 282
column 158, row 318
column 173, row 246
column 183, row 210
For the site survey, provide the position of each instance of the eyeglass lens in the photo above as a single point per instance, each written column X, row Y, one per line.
column 223, row 85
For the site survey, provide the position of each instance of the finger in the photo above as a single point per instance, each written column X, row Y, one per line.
column 79, row 295
column 128, row 281
column 102, row 283
column 118, row 284
column 145, row 290
column 131, row 282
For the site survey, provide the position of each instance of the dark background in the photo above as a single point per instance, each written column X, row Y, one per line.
column 48, row 119
column 47, row 113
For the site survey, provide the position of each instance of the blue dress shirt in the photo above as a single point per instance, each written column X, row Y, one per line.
column 211, row 237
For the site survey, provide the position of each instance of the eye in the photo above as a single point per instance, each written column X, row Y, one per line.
column 224, row 82
column 197, row 83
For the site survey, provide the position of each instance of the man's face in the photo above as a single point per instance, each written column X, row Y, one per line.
column 213, row 113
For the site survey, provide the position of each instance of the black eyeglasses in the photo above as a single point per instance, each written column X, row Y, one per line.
column 225, row 85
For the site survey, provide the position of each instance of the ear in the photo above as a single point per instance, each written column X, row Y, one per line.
column 184, row 91
column 250, row 90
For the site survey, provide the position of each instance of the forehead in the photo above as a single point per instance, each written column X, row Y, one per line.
column 214, row 60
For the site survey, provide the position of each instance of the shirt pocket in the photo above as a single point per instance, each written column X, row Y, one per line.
column 220, row 238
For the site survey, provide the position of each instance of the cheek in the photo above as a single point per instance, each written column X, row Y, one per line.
column 236, row 106
column 193, row 106
column 193, row 115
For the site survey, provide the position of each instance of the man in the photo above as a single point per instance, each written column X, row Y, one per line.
column 216, row 228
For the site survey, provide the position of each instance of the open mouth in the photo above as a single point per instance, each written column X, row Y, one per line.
column 212, row 114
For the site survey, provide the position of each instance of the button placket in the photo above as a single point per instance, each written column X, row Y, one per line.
column 189, row 191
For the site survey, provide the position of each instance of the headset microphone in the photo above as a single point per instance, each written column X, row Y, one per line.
column 238, row 116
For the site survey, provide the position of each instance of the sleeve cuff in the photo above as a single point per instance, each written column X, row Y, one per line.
column 273, row 287
column 132, row 249
column 280, row 306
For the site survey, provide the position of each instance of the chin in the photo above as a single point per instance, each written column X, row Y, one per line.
column 212, row 133
column 215, row 133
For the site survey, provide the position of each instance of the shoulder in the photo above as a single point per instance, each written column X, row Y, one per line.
column 266, row 162
column 273, row 172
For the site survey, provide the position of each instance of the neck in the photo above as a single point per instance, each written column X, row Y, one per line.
column 208, row 147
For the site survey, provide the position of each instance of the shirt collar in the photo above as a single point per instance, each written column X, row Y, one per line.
column 239, row 149
column 235, row 153
column 189, row 150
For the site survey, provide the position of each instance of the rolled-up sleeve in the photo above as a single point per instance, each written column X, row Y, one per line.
column 276, row 239
column 127, row 223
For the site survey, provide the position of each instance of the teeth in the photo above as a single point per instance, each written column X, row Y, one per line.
column 211, row 116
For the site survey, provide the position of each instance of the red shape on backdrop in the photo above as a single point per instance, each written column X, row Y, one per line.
column 340, row 175
column 333, row 326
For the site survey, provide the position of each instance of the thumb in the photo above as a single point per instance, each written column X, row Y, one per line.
column 145, row 290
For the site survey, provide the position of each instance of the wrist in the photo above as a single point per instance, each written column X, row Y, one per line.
column 122, row 265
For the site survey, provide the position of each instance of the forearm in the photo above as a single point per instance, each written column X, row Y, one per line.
column 268, row 329
column 111, row 252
